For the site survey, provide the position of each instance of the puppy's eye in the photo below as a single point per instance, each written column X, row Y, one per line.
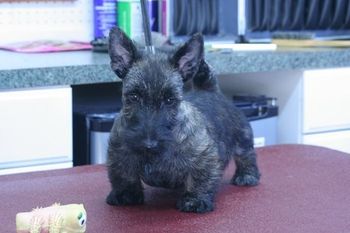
column 133, row 98
column 169, row 100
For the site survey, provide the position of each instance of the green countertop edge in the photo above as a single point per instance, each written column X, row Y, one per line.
column 97, row 70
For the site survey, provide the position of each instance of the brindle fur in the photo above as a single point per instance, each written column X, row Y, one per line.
column 175, row 130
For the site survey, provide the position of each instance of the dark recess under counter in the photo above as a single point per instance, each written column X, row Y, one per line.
column 91, row 99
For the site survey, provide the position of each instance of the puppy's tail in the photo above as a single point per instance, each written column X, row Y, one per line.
column 205, row 79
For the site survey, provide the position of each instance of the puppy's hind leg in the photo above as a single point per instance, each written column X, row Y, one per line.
column 247, row 172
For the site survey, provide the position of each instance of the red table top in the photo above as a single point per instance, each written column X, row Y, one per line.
column 303, row 189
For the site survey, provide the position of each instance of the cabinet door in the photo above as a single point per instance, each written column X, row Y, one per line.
column 35, row 127
column 326, row 100
column 338, row 140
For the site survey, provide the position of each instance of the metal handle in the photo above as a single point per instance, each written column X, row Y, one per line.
column 146, row 28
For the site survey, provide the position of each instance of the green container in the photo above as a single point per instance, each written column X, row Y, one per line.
column 130, row 17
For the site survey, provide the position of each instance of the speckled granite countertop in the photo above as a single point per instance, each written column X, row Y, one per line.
column 69, row 68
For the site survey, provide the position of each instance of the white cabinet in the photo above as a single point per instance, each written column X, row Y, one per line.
column 326, row 108
column 35, row 129
column 326, row 104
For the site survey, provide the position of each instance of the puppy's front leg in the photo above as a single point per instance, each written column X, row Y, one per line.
column 125, row 181
column 200, row 188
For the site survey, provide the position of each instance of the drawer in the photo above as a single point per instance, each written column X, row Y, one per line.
column 326, row 100
column 339, row 140
column 35, row 127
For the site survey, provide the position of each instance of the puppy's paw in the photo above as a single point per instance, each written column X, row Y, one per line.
column 195, row 204
column 125, row 198
column 245, row 180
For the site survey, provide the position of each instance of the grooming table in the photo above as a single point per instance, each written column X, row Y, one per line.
column 302, row 189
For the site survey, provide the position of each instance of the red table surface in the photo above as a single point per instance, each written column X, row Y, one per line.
column 302, row 189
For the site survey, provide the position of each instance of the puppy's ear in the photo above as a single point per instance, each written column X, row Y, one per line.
column 188, row 58
column 122, row 52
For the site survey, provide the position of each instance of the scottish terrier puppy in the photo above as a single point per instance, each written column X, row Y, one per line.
column 175, row 130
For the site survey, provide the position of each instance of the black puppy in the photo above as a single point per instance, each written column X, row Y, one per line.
column 175, row 130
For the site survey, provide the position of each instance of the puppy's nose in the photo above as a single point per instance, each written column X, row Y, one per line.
column 150, row 144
